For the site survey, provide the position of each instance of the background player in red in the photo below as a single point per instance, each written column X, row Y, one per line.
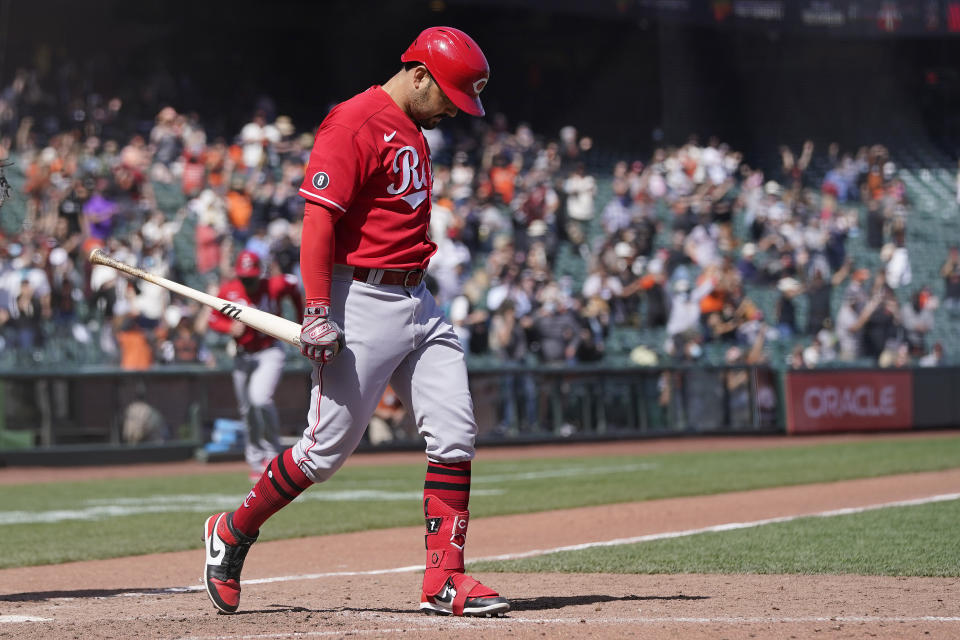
column 258, row 364
column 369, row 319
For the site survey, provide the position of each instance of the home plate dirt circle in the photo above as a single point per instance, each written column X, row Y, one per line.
column 366, row 584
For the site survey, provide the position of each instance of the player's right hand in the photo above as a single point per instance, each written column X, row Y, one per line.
column 321, row 339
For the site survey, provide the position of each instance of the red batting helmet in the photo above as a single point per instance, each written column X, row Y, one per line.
column 248, row 265
column 456, row 62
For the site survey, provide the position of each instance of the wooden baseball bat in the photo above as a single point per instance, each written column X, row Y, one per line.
column 272, row 325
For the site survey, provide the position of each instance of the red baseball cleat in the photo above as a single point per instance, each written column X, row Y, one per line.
column 226, row 550
column 446, row 588
column 478, row 601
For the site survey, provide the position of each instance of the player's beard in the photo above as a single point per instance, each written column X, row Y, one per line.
column 422, row 103
column 431, row 123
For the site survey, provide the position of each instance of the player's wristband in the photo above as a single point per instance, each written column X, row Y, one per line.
column 321, row 310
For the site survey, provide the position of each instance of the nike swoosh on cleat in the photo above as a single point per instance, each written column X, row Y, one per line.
column 389, row 137
column 213, row 554
column 446, row 596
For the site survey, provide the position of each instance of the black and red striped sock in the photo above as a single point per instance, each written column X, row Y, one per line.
column 449, row 482
column 280, row 484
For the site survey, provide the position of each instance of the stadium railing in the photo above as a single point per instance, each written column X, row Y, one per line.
column 111, row 408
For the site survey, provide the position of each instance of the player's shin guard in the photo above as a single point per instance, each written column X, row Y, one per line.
column 446, row 588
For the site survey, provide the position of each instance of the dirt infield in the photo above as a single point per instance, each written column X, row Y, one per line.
column 365, row 584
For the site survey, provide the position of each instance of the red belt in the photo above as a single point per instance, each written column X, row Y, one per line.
column 388, row 276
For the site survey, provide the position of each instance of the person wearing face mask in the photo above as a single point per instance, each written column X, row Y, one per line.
column 258, row 363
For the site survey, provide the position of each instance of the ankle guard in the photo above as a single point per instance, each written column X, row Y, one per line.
column 444, row 540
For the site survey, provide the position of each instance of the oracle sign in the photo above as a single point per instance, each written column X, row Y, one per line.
column 848, row 400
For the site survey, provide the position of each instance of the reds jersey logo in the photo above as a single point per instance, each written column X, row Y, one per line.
column 405, row 165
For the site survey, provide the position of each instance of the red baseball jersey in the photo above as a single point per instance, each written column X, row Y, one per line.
column 370, row 166
column 268, row 297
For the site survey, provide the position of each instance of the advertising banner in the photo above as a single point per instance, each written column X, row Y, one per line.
column 848, row 400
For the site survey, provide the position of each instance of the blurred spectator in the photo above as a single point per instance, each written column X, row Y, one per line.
column 895, row 354
column 166, row 137
column 875, row 224
column 684, row 321
column 835, row 248
column 701, row 244
column 737, row 378
column 883, row 324
column 580, row 189
column 950, row 272
column 616, row 214
column 795, row 360
column 897, row 261
column 508, row 342
column 819, row 293
column 655, row 295
column 600, row 283
column 142, row 423
column 555, row 333
column 194, row 163
column 595, row 326
column 503, row 177
column 26, row 318
column 813, row 354
column 918, row 320
column 934, row 358
column 851, row 317
column 746, row 266
column 786, row 312
column 66, row 285
column 98, row 218
column 469, row 324
column 387, row 418
column 181, row 340
column 512, row 218
column 136, row 352
column 256, row 135
column 507, row 337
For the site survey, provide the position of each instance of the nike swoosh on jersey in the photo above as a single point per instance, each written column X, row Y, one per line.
column 389, row 137
column 415, row 199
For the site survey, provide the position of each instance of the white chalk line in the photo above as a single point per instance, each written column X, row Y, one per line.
column 417, row 620
column 565, row 472
column 15, row 619
column 103, row 508
column 731, row 526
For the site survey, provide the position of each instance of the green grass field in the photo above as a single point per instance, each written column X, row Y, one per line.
column 895, row 541
column 52, row 523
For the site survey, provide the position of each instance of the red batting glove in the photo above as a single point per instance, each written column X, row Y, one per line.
column 321, row 339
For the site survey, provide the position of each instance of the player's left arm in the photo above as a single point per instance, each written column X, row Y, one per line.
column 321, row 338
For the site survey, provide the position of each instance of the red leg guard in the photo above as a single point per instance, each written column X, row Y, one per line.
column 445, row 538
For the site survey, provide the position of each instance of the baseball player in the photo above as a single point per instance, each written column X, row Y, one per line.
column 370, row 321
column 259, row 360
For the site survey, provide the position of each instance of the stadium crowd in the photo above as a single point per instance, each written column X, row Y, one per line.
column 539, row 260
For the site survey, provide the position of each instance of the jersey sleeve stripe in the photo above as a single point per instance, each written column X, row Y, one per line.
column 314, row 196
